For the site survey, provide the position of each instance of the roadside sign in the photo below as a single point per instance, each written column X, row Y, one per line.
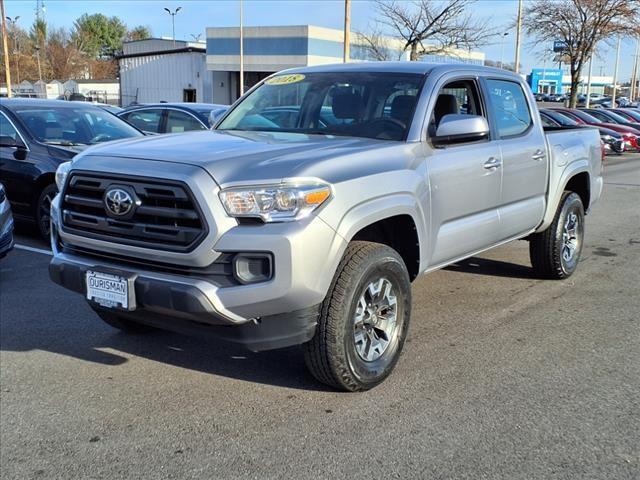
column 559, row 46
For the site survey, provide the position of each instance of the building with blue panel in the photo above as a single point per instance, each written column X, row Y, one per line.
column 271, row 49
column 545, row 80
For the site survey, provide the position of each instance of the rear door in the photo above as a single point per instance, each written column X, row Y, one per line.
column 464, row 179
column 521, row 140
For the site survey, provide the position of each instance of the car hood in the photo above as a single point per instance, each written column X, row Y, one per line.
column 231, row 157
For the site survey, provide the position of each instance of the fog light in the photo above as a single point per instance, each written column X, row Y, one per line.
column 252, row 267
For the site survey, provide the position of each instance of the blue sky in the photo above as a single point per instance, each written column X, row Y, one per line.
column 196, row 15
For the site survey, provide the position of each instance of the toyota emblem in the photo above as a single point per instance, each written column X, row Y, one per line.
column 118, row 202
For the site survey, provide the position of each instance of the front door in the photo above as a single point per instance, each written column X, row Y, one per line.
column 465, row 181
column 524, row 162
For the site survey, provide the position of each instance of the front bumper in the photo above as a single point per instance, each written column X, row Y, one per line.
column 279, row 312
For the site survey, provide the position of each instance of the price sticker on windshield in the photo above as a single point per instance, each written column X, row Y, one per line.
column 285, row 79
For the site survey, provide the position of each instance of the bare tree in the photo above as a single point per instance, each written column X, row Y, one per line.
column 427, row 26
column 581, row 24
column 375, row 44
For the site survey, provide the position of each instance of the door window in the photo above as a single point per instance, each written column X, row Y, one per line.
column 458, row 97
column 510, row 107
column 181, row 122
column 145, row 120
column 6, row 129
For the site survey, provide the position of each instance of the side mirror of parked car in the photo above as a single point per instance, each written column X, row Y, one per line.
column 457, row 128
column 215, row 115
column 7, row 141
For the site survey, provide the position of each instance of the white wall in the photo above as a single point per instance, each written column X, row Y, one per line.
column 163, row 77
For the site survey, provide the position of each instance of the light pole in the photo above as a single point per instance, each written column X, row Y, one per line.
column 518, row 34
column 5, row 50
column 504, row 35
column 173, row 22
column 241, row 54
column 16, row 50
column 615, row 75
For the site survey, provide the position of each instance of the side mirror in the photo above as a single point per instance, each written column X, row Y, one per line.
column 456, row 128
column 7, row 141
column 215, row 115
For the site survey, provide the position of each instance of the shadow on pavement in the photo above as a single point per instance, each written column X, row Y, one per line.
column 494, row 268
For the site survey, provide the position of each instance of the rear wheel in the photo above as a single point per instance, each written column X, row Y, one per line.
column 364, row 319
column 43, row 210
column 555, row 252
column 124, row 324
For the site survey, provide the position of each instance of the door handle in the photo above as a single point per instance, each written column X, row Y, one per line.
column 492, row 163
column 539, row 155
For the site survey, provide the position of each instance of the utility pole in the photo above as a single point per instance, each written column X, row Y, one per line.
column 347, row 31
column 518, row 33
column 241, row 54
column 615, row 75
column 589, row 82
column 5, row 49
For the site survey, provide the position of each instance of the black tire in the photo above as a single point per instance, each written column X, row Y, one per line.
column 547, row 249
column 124, row 324
column 43, row 207
column 332, row 356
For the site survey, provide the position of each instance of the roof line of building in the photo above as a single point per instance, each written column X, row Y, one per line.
column 163, row 52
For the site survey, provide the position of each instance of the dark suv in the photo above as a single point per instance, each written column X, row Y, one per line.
column 38, row 135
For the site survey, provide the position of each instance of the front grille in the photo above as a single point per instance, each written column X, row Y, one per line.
column 166, row 218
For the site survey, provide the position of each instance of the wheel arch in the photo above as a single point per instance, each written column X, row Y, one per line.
column 396, row 221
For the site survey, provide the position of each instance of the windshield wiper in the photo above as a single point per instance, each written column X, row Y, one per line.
column 64, row 143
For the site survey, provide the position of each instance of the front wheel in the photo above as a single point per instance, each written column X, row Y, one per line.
column 556, row 251
column 43, row 210
column 364, row 319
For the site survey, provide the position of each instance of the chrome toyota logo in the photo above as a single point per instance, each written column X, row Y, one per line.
column 118, row 202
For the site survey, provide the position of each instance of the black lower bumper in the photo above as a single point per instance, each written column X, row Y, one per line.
column 185, row 309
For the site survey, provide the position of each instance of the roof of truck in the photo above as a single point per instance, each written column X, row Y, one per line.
column 401, row 67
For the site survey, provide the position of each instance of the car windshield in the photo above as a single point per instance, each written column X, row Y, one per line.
column 630, row 113
column 561, row 119
column 356, row 104
column 585, row 117
column 74, row 126
column 615, row 117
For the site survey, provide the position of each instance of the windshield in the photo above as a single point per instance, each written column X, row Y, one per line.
column 561, row 119
column 74, row 126
column 616, row 118
column 356, row 104
column 585, row 117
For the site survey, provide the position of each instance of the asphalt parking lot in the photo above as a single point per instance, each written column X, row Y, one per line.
column 503, row 376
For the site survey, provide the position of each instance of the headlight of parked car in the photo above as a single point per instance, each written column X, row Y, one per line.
column 61, row 174
column 275, row 203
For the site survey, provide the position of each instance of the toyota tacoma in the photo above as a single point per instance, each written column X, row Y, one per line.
column 305, row 214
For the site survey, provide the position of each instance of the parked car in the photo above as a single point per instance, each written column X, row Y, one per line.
column 612, row 141
column 631, row 135
column 161, row 118
column 272, row 235
column 557, row 97
column 37, row 136
column 612, row 117
column 6, row 224
column 630, row 114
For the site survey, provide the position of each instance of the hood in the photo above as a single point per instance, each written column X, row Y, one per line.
column 249, row 156
column 66, row 152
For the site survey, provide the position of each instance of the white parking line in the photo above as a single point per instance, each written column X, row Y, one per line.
column 32, row 249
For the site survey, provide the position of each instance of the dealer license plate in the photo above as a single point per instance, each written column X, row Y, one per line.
column 108, row 290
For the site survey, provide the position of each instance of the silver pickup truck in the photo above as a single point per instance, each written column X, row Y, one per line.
column 305, row 215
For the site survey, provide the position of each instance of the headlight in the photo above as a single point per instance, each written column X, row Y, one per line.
column 61, row 174
column 275, row 203
column 606, row 138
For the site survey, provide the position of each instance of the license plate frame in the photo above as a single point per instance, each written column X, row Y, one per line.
column 114, row 290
